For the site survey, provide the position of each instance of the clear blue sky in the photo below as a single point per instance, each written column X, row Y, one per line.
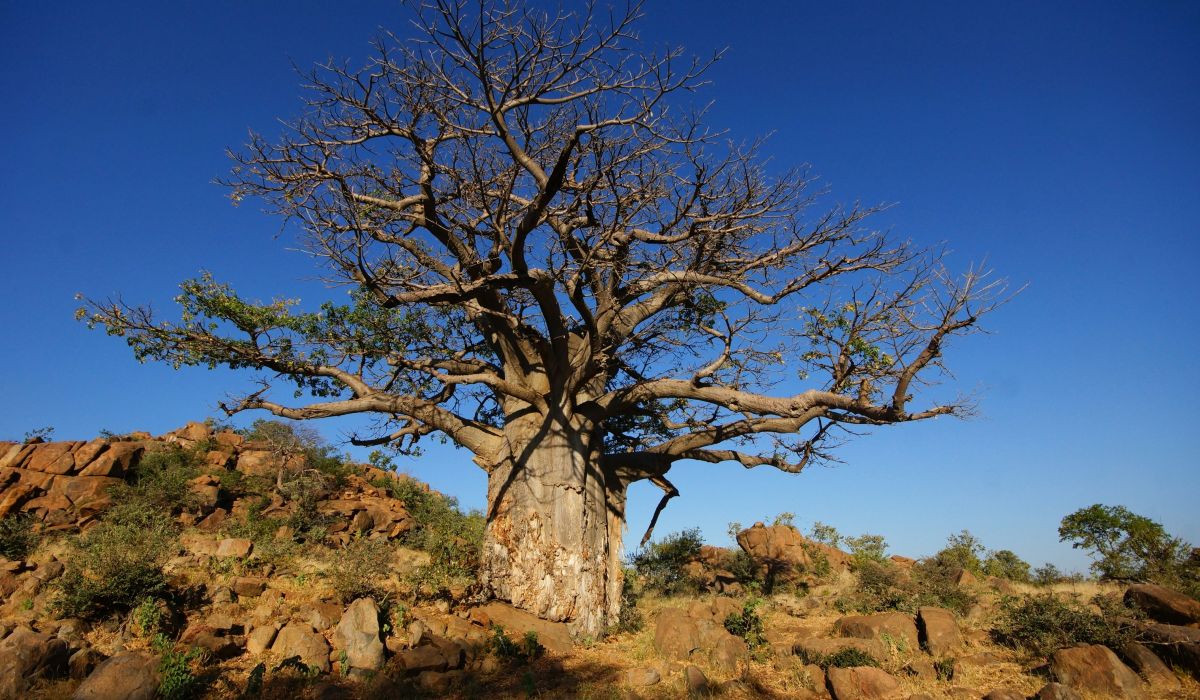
column 1061, row 140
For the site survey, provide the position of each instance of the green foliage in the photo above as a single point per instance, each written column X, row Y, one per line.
column 1007, row 565
column 17, row 536
column 147, row 618
column 43, row 433
column 160, row 478
column 846, row 657
column 630, row 619
column 1130, row 547
column 784, row 518
column 867, row 548
column 176, row 679
column 748, row 624
column 1047, row 575
column 660, row 566
column 962, row 551
column 360, row 569
column 943, row 668
column 1041, row 624
column 825, row 534
column 881, row 586
column 118, row 563
column 453, row 539
column 506, row 649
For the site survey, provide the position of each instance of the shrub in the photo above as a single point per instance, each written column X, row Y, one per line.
column 1042, row 624
column 825, row 534
column 147, row 618
column 17, row 536
column 453, row 539
column 1007, row 565
column 962, row 551
column 160, row 478
column 176, row 680
column 881, row 586
column 360, row 568
column 846, row 657
column 1128, row 546
column 866, row 548
column 747, row 624
column 1047, row 575
column 661, row 564
column 506, row 649
column 118, row 563
column 630, row 620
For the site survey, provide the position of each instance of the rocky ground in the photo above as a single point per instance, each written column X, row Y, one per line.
column 289, row 574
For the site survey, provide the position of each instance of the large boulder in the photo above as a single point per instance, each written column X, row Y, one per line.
column 939, row 631
column 1163, row 604
column 1176, row 644
column 298, row 639
column 781, row 551
column 1148, row 665
column 684, row 635
column 516, row 623
column 862, row 683
column 128, row 675
column 897, row 627
column 358, row 635
column 1095, row 668
column 25, row 657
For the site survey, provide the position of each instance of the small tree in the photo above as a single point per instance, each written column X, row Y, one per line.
column 1126, row 546
column 560, row 269
column 1006, row 564
column 963, row 551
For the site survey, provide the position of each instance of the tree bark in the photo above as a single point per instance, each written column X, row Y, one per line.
column 554, row 527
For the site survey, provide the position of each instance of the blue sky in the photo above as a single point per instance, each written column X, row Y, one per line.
column 1059, row 140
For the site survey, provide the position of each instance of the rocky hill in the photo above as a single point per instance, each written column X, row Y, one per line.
column 211, row 563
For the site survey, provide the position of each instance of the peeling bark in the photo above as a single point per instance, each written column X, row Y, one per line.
column 555, row 521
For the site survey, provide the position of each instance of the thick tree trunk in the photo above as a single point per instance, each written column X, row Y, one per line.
column 555, row 520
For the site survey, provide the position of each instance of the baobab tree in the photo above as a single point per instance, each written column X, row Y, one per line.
column 555, row 265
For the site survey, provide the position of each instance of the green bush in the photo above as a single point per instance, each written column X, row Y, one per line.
column 748, row 624
column 506, row 649
column 1040, row 625
column 1131, row 547
column 17, row 536
column 160, row 478
column 360, row 569
column 962, row 551
column 1007, row 565
column 453, row 539
column 867, row 548
column 630, row 619
column 118, row 563
column 176, row 681
column 846, row 657
column 882, row 586
column 1047, row 575
column 660, row 566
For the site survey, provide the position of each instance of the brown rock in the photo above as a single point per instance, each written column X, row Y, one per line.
column 128, row 675
column 258, row 463
column 52, row 458
column 552, row 635
column 321, row 615
column 728, row 653
column 208, row 638
column 82, row 489
column 248, row 586
column 199, row 545
column 1095, row 669
column 1176, row 644
column 1163, row 604
column 260, row 638
column 234, row 547
column 695, row 681
column 784, row 553
column 27, row 656
column 1148, row 666
column 1057, row 691
column 971, row 662
column 13, row 497
column 298, row 639
column 116, row 460
column 1004, row 694
column 820, row 646
column 83, row 662
column 213, row 521
column 642, row 677
column 426, row 658
column 939, row 631
column 898, row 626
column 15, row 455
column 228, row 438
column 86, row 453
column 196, row 432
column 862, row 683
column 358, row 635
